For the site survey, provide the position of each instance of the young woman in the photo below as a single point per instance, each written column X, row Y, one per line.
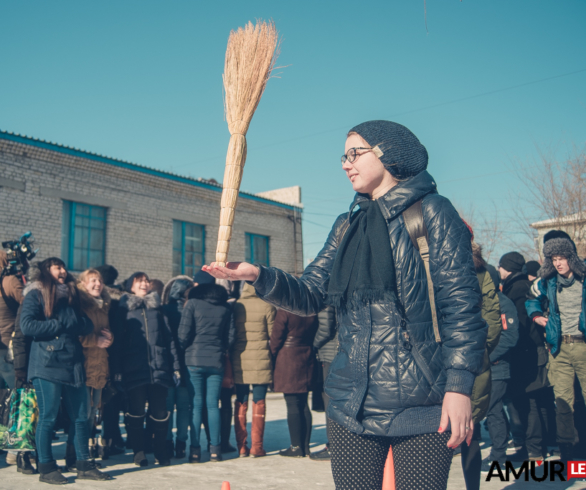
column 146, row 364
column 95, row 303
column 205, row 334
column 292, row 348
column 251, row 362
column 52, row 316
column 391, row 382
column 174, row 298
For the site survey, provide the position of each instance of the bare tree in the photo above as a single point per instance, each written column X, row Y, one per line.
column 489, row 230
column 552, row 196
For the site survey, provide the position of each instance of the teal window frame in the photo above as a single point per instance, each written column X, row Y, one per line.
column 252, row 242
column 79, row 219
column 179, row 230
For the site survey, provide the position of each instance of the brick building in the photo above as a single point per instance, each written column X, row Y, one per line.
column 89, row 209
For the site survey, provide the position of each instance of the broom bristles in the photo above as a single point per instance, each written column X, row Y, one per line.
column 250, row 58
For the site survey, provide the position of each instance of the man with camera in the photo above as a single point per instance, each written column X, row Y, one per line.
column 11, row 289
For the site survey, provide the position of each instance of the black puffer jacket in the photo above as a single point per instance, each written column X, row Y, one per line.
column 529, row 356
column 326, row 338
column 206, row 331
column 145, row 352
column 380, row 383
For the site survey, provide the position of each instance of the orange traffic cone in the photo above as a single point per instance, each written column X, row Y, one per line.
column 226, row 486
column 389, row 476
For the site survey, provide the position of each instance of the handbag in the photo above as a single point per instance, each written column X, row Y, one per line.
column 19, row 433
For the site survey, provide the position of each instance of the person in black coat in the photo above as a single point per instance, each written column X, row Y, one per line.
column 52, row 316
column 500, row 375
column 528, row 390
column 205, row 334
column 146, row 363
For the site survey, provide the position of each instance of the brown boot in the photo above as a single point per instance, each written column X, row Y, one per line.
column 240, row 410
column 258, row 429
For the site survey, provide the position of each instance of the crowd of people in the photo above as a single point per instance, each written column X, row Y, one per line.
column 418, row 338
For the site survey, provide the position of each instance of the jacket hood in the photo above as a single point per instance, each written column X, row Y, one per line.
column 403, row 195
column 133, row 302
column 88, row 302
column 212, row 293
column 175, row 288
column 114, row 292
column 3, row 259
column 248, row 291
column 565, row 248
column 479, row 262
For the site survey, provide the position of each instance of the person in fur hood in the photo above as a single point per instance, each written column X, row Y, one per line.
column 51, row 314
column 562, row 282
column 145, row 365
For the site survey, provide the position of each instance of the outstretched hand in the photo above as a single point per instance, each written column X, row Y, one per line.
column 457, row 410
column 234, row 271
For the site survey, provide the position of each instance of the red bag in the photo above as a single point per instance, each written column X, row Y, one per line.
column 228, row 381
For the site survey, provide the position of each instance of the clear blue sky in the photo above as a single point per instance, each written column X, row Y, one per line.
column 141, row 80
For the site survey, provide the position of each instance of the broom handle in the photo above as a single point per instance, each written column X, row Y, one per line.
column 235, row 160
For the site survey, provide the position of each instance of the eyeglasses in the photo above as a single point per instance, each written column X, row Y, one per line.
column 351, row 155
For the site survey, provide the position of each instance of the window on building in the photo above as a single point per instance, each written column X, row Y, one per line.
column 257, row 249
column 188, row 248
column 83, row 243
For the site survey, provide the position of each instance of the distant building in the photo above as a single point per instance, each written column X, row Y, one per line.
column 574, row 225
column 89, row 210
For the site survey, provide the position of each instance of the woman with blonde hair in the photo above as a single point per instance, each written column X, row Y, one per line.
column 95, row 303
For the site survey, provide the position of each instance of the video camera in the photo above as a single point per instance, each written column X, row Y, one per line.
column 19, row 252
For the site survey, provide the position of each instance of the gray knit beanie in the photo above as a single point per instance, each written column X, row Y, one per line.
column 398, row 148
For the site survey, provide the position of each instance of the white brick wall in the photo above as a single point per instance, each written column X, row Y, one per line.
column 141, row 207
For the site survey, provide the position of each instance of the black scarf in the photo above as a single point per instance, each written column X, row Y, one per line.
column 363, row 270
column 565, row 282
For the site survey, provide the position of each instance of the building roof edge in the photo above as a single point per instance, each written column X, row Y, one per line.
column 68, row 150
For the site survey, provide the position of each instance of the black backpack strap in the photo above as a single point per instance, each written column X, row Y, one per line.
column 413, row 218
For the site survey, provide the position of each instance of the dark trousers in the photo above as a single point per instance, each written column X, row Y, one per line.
column 259, row 392
column 472, row 460
column 111, row 419
column 326, row 370
column 299, row 420
column 155, row 394
column 496, row 422
column 358, row 462
column 533, row 412
column 48, row 399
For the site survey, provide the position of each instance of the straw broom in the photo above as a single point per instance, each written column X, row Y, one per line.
column 250, row 59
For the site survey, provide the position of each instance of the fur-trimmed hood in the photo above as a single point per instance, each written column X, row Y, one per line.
column 176, row 287
column 479, row 262
column 131, row 302
column 88, row 302
column 564, row 248
column 213, row 293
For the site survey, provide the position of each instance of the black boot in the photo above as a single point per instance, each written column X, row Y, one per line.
column 215, row 454
column 70, row 457
column 87, row 470
column 160, row 428
column 23, row 463
column 135, row 430
column 566, row 452
column 194, row 454
column 179, row 449
column 292, row 452
column 226, row 428
column 50, row 474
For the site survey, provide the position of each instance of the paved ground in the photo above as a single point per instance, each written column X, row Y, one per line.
column 271, row 472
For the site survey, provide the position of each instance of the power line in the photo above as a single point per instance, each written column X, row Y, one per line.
column 411, row 111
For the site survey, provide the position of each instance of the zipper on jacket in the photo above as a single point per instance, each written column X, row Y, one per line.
column 146, row 329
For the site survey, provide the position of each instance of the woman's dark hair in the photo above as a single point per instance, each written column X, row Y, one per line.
column 49, row 285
